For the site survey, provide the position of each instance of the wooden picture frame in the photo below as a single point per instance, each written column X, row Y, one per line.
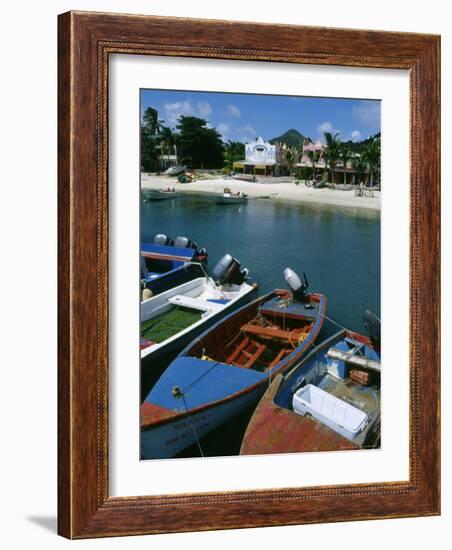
column 86, row 40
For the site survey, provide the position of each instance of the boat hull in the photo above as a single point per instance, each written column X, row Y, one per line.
column 175, row 170
column 152, row 195
column 170, row 438
column 173, row 278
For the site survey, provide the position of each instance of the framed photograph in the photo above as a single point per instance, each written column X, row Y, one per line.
column 249, row 299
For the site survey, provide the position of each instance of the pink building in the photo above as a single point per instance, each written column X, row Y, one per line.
column 315, row 147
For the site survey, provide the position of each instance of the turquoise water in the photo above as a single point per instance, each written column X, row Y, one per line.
column 339, row 249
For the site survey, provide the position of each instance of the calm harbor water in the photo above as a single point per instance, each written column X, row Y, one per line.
column 339, row 249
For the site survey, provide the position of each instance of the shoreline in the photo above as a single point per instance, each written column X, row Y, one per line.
column 279, row 192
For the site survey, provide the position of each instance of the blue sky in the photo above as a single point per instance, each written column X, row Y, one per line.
column 243, row 117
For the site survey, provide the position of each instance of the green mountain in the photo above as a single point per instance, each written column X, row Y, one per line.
column 291, row 137
column 359, row 146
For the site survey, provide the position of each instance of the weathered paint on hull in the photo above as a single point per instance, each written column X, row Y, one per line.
column 168, row 439
column 275, row 430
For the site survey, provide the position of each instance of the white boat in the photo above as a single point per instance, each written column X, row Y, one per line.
column 175, row 170
column 228, row 197
column 159, row 194
column 172, row 319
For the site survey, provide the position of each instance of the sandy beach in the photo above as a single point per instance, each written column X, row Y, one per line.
column 274, row 191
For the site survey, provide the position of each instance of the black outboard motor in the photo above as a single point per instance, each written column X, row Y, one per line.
column 201, row 255
column 183, row 242
column 227, row 271
column 296, row 285
column 163, row 240
column 373, row 327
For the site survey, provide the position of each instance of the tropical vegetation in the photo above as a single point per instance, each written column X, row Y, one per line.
column 233, row 152
column 359, row 166
column 372, row 157
column 291, row 157
column 332, row 152
column 345, row 155
column 314, row 157
column 198, row 145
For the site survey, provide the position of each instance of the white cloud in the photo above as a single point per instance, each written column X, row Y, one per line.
column 367, row 113
column 356, row 135
column 247, row 129
column 234, row 111
column 223, row 129
column 326, row 126
column 174, row 110
column 203, row 108
column 186, row 108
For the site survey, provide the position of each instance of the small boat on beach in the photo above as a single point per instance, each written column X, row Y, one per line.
column 175, row 170
column 172, row 319
column 228, row 197
column 159, row 194
column 244, row 177
column 229, row 367
column 329, row 402
column 166, row 263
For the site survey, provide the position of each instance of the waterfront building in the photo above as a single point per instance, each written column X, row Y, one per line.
column 321, row 164
column 260, row 159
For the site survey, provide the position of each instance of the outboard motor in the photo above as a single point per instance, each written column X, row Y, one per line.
column 183, row 242
column 296, row 285
column 373, row 327
column 227, row 271
column 202, row 255
column 163, row 240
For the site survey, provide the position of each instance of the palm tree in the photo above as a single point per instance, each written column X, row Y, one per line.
column 151, row 121
column 233, row 151
column 372, row 156
column 314, row 157
column 359, row 165
column 345, row 155
column 167, row 141
column 332, row 153
column 291, row 155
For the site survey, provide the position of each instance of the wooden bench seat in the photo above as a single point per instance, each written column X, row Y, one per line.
column 266, row 332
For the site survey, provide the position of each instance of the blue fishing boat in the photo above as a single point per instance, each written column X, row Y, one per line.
column 229, row 367
column 329, row 402
column 166, row 263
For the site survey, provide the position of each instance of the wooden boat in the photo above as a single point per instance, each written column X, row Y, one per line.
column 232, row 198
column 166, row 263
column 159, row 194
column 172, row 319
column 329, row 402
column 227, row 369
